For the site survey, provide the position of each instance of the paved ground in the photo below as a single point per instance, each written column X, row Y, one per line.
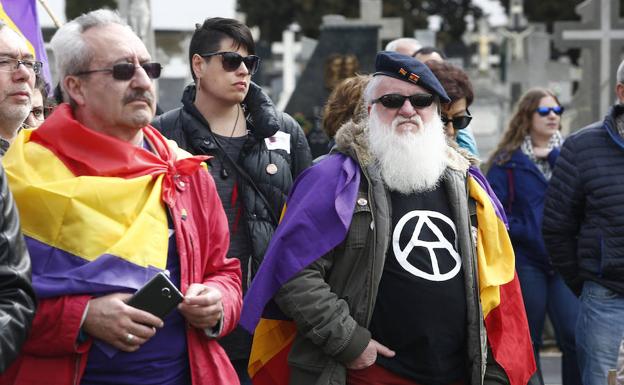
column 551, row 368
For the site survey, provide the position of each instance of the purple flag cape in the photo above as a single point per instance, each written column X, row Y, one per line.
column 317, row 218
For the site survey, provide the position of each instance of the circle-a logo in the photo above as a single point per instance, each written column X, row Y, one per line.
column 424, row 218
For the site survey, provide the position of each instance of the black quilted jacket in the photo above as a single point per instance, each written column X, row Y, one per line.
column 583, row 223
column 190, row 130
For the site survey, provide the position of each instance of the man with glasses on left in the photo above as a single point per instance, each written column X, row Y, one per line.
column 106, row 202
column 18, row 69
column 17, row 299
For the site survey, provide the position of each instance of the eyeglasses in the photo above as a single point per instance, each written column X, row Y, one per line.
column 459, row 122
column 125, row 71
column 232, row 60
column 544, row 111
column 9, row 64
column 38, row 113
column 395, row 101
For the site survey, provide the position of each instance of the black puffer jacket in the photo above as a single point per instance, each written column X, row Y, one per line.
column 17, row 298
column 583, row 224
column 190, row 130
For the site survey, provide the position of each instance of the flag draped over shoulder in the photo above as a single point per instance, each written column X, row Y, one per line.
column 92, row 207
column 332, row 186
column 316, row 220
column 499, row 288
column 21, row 16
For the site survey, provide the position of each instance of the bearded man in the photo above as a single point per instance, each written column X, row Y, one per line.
column 392, row 258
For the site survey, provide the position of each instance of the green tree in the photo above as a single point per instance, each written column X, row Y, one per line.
column 75, row 8
column 548, row 11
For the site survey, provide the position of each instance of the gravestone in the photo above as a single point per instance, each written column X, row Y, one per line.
column 371, row 13
column 343, row 46
column 600, row 35
column 536, row 69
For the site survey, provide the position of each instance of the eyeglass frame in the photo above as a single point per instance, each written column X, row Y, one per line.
column 404, row 97
column 32, row 112
column 118, row 65
column 37, row 66
column 222, row 53
column 446, row 120
column 545, row 111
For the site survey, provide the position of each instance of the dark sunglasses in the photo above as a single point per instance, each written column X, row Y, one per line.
column 125, row 71
column 232, row 60
column 396, row 101
column 459, row 122
column 544, row 111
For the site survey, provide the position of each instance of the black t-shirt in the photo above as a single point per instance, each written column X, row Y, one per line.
column 240, row 241
column 420, row 311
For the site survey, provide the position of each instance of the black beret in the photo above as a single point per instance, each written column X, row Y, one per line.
column 409, row 69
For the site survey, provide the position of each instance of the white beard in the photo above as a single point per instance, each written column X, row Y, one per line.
column 410, row 161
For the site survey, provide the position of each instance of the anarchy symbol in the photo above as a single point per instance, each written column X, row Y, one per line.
column 424, row 218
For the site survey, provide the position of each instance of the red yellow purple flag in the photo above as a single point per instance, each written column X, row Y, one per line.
column 21, row 16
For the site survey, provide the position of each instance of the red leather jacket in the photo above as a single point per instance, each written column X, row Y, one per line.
column 51, row 354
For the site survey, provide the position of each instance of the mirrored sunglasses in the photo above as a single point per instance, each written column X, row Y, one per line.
column 125, row 71
column 395, row 101
column 459, row 122
column 232, row 60
column 544, row 111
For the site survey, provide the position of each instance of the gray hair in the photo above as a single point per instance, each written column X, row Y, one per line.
column 394, row 44
column 369, row 91
column 71, row 53
column 620, row 73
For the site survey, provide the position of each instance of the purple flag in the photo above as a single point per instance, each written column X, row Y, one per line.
column 318, row 216
column 23, row 14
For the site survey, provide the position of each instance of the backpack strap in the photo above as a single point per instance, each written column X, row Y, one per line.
column 512, row 192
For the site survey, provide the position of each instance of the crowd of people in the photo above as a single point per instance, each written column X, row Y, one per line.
column 396, row 258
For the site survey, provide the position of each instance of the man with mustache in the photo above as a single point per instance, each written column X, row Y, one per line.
column 387, row 255
column 257, row 151
column 106, row 202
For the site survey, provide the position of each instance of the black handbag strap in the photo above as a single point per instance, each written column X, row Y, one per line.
column 195, row 113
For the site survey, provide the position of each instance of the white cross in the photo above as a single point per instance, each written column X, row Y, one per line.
column 371, row 11
column 605, row 34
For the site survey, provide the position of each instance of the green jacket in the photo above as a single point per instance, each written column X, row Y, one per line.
column 332, row 300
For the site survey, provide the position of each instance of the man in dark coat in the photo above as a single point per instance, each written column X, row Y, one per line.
column 583, row 230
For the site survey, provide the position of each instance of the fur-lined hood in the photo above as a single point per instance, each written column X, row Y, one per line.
column 352, row 139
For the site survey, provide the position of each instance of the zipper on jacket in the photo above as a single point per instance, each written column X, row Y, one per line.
column 473, row 257
column 371, row 201
column 77, row 369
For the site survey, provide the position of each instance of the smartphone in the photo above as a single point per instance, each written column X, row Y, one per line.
column 158, row 296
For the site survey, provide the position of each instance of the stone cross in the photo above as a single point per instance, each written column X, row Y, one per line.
column 517, row 30
column 371, row 12
column 600, row 35
column 289, row 49
column 483, row 37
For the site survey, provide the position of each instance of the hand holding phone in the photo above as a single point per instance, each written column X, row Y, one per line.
column 202, row 306
column 158, row 296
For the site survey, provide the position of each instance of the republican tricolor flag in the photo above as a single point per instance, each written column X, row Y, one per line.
column 21, row 16
column 305, row 235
